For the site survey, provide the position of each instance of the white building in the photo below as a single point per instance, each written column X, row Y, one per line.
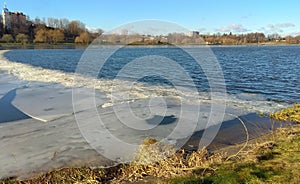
column 10, row 19
column 6, row 18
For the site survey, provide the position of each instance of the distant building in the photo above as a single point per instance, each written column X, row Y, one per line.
column 11, row 19
column 193, row 34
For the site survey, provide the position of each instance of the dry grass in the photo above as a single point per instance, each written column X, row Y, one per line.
column 163, row 161
column 70, row 175
column 288, row 114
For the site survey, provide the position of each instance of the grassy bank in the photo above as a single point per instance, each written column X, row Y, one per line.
column 273, row 158
column 273, row 161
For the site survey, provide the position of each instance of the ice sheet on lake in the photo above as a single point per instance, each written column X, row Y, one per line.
column 47, row 102
column 30, row 145
column 125, row 126
column 8, row 83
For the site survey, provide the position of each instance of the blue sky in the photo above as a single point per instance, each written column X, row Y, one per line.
column 237, row 16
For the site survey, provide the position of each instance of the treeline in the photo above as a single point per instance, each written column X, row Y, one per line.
column 214, row 39
column 250, row 38
column 51, row 31
column 55, row 31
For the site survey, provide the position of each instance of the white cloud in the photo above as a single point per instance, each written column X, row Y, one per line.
column 295, row 33
column 282, row 25
column 278, row 28
column 91, row 29
column 236, row 28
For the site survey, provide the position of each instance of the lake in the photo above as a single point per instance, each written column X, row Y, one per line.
column 270, row 72
column 63, row 108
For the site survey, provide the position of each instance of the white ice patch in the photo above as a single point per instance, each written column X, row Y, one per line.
column 52, row 101
column 8, row 83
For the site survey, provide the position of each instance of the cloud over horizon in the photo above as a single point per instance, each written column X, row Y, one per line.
column 236, row 28
column 281, row 25
column 295, row 33
column 278, row 28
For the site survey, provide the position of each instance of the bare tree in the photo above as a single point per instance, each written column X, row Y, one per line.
column 50, row 22
column 53, row 22
column 56, row 23
column 63, row 23
column 37, row 21
column 75, row 28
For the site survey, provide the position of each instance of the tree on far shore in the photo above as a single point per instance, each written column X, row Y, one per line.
column 74, row 29
column 49, row 36
column 22, row 38
column 56, row 36
column 7, row 38
column 291, row 40
column 41, row 36
column 84, row 38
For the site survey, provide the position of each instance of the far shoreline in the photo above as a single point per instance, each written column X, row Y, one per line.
column 17, row 46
